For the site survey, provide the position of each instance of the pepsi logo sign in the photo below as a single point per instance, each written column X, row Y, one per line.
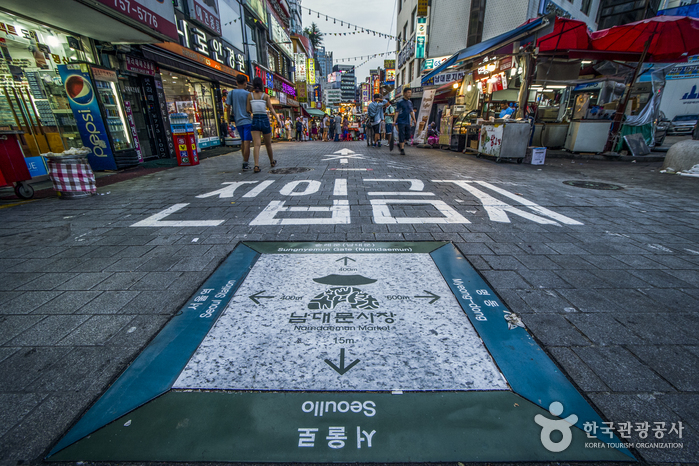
column 79, row 90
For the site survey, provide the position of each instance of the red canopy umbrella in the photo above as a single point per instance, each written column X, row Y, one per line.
column 671, row 38
column 567, row 34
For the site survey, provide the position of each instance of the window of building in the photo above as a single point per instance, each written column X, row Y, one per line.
column 410, row 71
column 475, row 23
column 585, row 7
column 405, row 31
column 402, row 76
column 400, row 5
column 412, row 20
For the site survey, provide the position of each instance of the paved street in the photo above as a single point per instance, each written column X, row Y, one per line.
column 605, row 280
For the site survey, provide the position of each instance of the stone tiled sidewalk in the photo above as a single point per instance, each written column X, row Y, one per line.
column 614, row 301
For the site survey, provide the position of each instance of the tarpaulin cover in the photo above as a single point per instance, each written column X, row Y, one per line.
column 671, row 37
column 567, row 34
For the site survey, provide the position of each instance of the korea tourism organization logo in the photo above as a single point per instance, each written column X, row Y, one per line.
column 549, row 426
column 79, row 90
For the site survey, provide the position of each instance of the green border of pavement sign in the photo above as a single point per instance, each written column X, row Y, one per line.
column 141, row 418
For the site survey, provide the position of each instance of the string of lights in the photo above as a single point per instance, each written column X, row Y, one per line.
column 357, row 29
column 368, row 57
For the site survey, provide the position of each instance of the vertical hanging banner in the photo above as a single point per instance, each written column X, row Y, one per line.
column 424, row 115
column 311, row 71
column 300, row 71
column 422, row 7
column 421, row 37
column 83, row 102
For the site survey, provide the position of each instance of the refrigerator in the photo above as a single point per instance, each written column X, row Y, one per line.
column 102, row 119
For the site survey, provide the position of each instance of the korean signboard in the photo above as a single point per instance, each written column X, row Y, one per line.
column 301, row 91
column 443, row 78
column 266, row 77
column 300, row 67
column 390, row 76
column 158, row 15
column 311, row 71
column 280, row 37
column 220, row 51
column 139, row 65
column 406, row 53
column 422, row 7
column 376, row 81
column 389, row 64
column 431, row 63
column 82, row 97
column 421, row 37
column 316, row 93
column 205, row 13
column 366, row 89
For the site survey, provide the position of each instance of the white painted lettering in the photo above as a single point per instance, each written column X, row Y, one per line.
column 382, row 213
column 259, row 188
column 312, row 188
column 340, row 187
column 340, row 214
column 157, row 220
column 228, row 191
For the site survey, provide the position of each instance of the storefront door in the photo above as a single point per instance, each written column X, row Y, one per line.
column 134, row 102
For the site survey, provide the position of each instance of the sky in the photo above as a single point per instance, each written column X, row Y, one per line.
column 377, row 15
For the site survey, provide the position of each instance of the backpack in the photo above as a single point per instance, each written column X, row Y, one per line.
column 372, row 110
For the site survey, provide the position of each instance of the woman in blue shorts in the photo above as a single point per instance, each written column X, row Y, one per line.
column 258, row 104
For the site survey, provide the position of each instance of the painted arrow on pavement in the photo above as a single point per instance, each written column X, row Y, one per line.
column 257, row 296
column 342, row 369
column 344, row 151
column 345, row 259
column 433, row 297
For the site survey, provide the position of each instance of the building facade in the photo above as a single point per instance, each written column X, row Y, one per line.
column 453, row 25
column 348, row 82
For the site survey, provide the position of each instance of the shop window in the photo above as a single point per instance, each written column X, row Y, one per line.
column 412, row 21
column 585, row 7
column 33, row 97
column 193, row 97
column 475, row 24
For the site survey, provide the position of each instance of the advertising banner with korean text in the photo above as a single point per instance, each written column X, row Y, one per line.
column 423, row 115
column 157, row 15
column 301, row 91
column 311, row 71
column 421, row 38
column 300, row 71
column 82, row 97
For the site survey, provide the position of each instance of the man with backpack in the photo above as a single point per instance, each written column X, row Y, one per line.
column 375, row 112
column 405, row 118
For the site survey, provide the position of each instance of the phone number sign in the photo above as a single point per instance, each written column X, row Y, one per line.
column 157, row 16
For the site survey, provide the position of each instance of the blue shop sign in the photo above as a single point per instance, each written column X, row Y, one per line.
column 82, row 98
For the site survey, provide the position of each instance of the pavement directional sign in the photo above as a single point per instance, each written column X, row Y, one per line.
column 342, row 369
column 432, row 297
column 256, row 297
column 353, row 352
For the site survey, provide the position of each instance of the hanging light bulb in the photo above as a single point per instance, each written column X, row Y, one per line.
column 319, row 15
column 326, row 17
column 309, row 12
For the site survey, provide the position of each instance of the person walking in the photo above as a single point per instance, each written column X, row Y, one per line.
column 299, row 130
column 405, row 118
column 258, row 104
column 314, row 130
column 345, row 129
column 331, row 128
column 368, row 130
column 325, row 128
column 375, row 111
column 389, row 115
column 338, row 127
column 237, row 114
column 287, row 126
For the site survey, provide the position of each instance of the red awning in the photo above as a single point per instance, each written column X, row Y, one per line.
column 567, row 34
column 671, row 38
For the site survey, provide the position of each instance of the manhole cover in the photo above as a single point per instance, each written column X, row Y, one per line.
column 593, row 185
column 289, row 171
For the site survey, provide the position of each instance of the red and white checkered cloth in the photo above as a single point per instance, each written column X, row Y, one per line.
column 72, row 177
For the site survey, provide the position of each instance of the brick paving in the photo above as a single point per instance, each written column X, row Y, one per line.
column 614, row 300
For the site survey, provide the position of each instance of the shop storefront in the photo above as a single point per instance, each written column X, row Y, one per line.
column 34, row 98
